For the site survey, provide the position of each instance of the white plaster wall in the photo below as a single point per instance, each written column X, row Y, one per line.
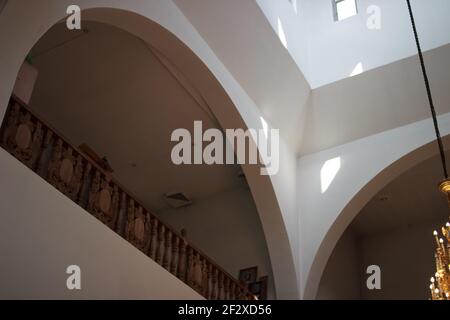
column 395, row 251
column 342, row 277
column 333, row 50
column 406, row 258
column 366, row 166
column 289, row 21
column 256, row 58
column 30, row 20
column 227, row 228
column 43, row 232
column 380, row 99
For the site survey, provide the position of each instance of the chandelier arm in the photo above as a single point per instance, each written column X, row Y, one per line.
column 430, row 97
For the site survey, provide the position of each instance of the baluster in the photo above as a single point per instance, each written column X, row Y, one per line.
column 214, row 284
column 11, row 126
column 129, row 229
column 64, row 178
column 37, row 148
column 121, row 219
column 22, row 141
column 182, row 257
column 194, row 270
column 220, row 286
column 233, row 290
column 44, row 161
column 205, row 278
column 210, row 281
column 175, row 257
column 93, row 192
column 83, row 199
column 140, row 230
column 76, row 182
column 149, row 229
column 190, row 267
column 227, row 289
column 55, row 162
column 167, row 250
column 238, row 293
column 154, row 239
column 198, row 272
column 160, row 245
column 115, row 208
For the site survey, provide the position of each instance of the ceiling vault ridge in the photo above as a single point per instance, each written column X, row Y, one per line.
column 183, row 81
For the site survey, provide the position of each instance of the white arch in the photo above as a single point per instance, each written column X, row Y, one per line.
column 367, row 165
column 23, row 22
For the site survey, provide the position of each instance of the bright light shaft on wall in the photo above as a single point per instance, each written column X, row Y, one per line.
column 328, row 172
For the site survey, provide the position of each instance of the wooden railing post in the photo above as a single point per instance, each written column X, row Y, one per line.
column 154, row 239
column 233, row 291
column 167, row 250
column 190, row 266
column 182, row 261
column 122, row 215
column 198, row 272
column 175, row 255
column 43, row 163
column 227, row 289
column 214, row 284
column 205, row 278
column 220, row 287
column 160, row 245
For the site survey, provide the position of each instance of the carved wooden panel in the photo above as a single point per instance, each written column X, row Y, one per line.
column 104, row 200
column 138, row 226
column 65, row 171
column 22, row 137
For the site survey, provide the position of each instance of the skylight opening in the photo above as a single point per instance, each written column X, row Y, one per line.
column 344, row 9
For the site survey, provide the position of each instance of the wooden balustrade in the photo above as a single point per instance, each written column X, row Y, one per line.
column 42, row 149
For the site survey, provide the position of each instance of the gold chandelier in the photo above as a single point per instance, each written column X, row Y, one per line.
column 440, row 283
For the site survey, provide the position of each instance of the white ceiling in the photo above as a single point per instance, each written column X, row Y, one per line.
column 244, row 41
column 327, row 51
column 106, row 88
column 410, row 199
column 245, row 35
column 378, row 100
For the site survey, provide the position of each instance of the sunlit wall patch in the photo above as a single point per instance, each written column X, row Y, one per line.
column 344, row 9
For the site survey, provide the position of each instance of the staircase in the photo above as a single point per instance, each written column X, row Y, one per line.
column 90, row 185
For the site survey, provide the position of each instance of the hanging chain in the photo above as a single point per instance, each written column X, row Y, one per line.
column 430, row 97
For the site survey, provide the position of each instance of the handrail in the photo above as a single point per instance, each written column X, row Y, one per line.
column 46, row 151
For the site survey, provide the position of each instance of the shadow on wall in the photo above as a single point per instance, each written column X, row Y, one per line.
column 2, row 5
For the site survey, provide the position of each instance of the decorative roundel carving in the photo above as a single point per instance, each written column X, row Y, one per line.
column 66, row 171
column 23, row 136
column 104, row 201
column 139, row 229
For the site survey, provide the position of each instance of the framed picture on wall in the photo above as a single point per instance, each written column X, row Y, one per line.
column 264, row 284
column 255, row 288
column 248, row 275
column 259, row 288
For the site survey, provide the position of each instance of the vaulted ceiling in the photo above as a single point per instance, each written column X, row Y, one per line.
column 248, row 37
column 107, row 88
column 412, row 198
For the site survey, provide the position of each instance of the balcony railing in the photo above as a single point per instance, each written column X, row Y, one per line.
column 42, row 149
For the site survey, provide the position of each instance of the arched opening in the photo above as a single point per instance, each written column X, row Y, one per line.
column 388, row 224
column 214, row 95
